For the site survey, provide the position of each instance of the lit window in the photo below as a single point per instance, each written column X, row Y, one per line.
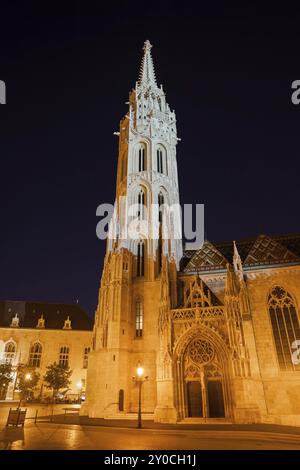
column 139, row 319
column 64, row 356
column 9, row 352
column 285, row 325
column 140, row 271
column 86, row 357
column 35, row 355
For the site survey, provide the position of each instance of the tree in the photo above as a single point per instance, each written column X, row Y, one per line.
column 27, row 380
column 6, row 376
column 57, row 377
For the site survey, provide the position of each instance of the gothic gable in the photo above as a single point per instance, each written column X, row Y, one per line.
column 266, row 250
column 194, row 292
column 207, row 257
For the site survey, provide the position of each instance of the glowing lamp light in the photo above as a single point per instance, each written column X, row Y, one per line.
column 140, row 371
column 28, row 376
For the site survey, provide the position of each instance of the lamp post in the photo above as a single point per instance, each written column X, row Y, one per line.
column 139, row 380
column 27, row 379
column 79, row 387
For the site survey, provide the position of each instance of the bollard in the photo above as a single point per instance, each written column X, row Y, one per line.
column 36, row 413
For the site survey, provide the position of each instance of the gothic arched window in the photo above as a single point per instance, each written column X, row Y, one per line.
column 141, row 204
column 285, row 326
column 140, row 268
column 159, row 156
column 161, row 201
column 139, row 318
column 35, row 355
column 161, row 160
column 142, row 158
column 9, row 352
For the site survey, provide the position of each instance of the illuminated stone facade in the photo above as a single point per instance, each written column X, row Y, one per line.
column 213, row 327
column 38, row 335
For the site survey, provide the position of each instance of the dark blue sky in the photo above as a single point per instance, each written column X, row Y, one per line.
column 68, row 70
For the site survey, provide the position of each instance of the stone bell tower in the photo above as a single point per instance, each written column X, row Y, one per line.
column 144, row 249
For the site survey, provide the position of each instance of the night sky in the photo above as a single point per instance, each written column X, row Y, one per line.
column 68, row 68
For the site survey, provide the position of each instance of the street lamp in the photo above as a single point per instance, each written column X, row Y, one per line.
column 79, row 387
column 27, row 376
column 139, row 380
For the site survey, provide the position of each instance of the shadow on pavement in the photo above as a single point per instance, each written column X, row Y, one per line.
column 75, row 419
column 10, row 435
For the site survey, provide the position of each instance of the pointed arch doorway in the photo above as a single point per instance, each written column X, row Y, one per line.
column 205, row 397
column 203, row 388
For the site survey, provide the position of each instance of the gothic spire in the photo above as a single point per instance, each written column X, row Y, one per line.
column 147, row 74
column 237, row 262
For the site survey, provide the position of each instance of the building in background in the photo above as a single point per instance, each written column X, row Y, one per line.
column 39, row 334
column 213, row 328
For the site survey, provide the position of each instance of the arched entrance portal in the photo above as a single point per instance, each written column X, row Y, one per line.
column 202, row 381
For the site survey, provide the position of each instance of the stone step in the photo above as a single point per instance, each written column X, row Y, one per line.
column 205, row 421
column 131, row 416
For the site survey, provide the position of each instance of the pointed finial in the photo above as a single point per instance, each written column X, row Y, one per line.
column 67, row 324
column 15, row 321
column 237, row 262
column 147, row 74
column 147, row 46
column 41, row 322
column 235, row 250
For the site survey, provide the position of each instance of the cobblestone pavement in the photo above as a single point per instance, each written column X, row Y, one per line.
column 74, row 432
column 53, row 436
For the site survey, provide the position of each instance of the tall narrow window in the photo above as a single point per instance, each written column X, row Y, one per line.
column 9, row 352
column 140, row 271
column 160, row 208
column 285, row 325
column 160, row 219
column 142, row 159
column 161, row 160
column 141, row 204
column 159, row 155
column 35, row 355
column 86, row 357
column 64, row 356
column 138, row 319
column 121, row 400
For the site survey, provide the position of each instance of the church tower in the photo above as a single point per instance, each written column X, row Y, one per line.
column 147, row 177
column 144, row 249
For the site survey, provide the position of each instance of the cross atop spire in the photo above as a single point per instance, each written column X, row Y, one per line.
column 147, row 74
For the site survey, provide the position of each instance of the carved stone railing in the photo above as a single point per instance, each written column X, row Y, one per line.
column 205, row 313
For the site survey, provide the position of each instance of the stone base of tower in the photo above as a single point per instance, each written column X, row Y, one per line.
column 249, row 401
column 95, row 403
column 165, row 411
column 165, row 415
column 247, row 415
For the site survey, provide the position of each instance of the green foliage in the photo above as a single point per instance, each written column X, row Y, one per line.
column 27, row 379
column 6, row 375
column 57, row 377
